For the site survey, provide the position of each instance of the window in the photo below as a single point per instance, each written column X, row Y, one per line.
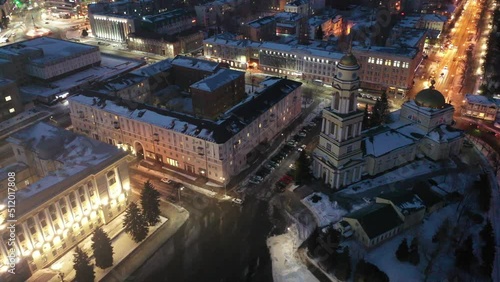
column 329, row 147
column 349, row 149
column 8, row 98
column 111, row 177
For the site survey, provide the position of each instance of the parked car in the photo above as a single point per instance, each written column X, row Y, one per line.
column 273, row 164
column 237, row 201
column 166, row 180
column 255, row 180
column 268, row 166
column 311, row 124
column 301, row 148
column 292, row 143
column 302, row 134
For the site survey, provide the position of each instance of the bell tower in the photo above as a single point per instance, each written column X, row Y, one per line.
column 338, row 156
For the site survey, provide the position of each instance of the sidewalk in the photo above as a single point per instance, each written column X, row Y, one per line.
column 128, row 255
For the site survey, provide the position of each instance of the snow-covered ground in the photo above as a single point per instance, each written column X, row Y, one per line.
column 287, row 266
column 325, row 211
column 413, row 169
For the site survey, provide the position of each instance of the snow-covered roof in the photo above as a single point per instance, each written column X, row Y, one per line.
column 218, row 79
column 480, row 99
column 406, row 201
column 166, row 16
column 325, row 211
column 297, row 3
column 261, row 22
column 194, row 63
column 119, row 83
column 288, row 16
column 409, row 37
column 408, row 52
column 153, row 69
column 78, row 156
column 111, row 66
column 376, row 219
column 53, row 49
column 382, row 143
column 219, row 131
column 444, row 133
column 434, row 18
column 15, row 167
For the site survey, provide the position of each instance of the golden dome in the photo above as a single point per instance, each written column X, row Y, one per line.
column 348, row 60
column 430, row 98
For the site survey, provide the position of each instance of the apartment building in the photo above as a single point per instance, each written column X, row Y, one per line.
column 214, row 149
column 299, row 7
column 480, row 107
column 10, row 101
column 263, row 29
column 169, row 23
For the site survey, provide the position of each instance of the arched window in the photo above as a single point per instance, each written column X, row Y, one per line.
column 336, row 100
column 352, row 102
column 111, row 177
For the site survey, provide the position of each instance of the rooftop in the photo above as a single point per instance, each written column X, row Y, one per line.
column 262, row 21
column 406, row 201
column 77, row 155
column 53, row 49
column 218, row 79
column 385, row 142
column 376, row 219
column 220, row 131
column 194, row 63
column 165, row 16
column 434, row 18
column 444, row 133
column 297, row 3
column 482, row 100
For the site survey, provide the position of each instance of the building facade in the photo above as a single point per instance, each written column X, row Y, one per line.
column 79, row 189
column 480, row 107
column 215, row 150
column 263, row 29
column 11, row 103
column 169, row 23
column 168, row 46
column 299, row 7
column 337, row 159
column 112, row 27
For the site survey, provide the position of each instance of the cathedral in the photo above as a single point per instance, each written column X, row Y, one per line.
column 345, row 153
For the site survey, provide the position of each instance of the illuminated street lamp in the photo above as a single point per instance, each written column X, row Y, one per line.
column 223, row 179
column 179, row 193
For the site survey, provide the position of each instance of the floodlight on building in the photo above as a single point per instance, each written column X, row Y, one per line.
column 36, row 254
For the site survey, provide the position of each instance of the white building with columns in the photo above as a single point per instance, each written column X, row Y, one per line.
column 80, row 184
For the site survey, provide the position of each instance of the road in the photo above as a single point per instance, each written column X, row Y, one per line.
column 220, row 242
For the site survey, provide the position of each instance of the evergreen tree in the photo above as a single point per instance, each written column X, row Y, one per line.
column 366, row 118
column 103, row 250
column 342, row 268
column 81, row 264
column 442, row 232
column 150, row 202
column 402, row 253
column 464, row 256
column 134, row 223
column 302, row 171
column 376, row 118
column 367, row 272
column 384, row 108
column 319, row 33
column 484, row 197
column 414, row 255
column 488, row 249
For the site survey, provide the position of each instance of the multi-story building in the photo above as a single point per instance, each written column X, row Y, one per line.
column 188, row 70
column 213, row 149
column 207, row 14
column 481, row 107
column 330, row 26
column 82, row 184
column 288, row 24
column 112, row 27
column 434, row 23
column 166, row 45
column 299, row 7
column 217, row 93
column 388, row 68
column 170, row 22
column 263, row 29
column 46, row 58
column 10, row 104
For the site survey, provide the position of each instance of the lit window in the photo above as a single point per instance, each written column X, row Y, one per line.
column 111, row 177
column 12, row 110
column 8, row 98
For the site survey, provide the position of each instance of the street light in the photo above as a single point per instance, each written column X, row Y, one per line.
column 223, row 179
column 179, row 193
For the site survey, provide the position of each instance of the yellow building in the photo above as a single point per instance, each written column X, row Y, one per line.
column 82, row 184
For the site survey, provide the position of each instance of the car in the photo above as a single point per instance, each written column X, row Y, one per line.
column 254, row 180
column 311, row 124
column 445, row 67
column 268, row 166
column 273, row 164
column 302, row 134
column 301, row 148
column 291, row 143
column 287, row 148
column 166, row 180
column 237, row 201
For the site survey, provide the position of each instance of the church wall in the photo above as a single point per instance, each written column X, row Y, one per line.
column 376, row 165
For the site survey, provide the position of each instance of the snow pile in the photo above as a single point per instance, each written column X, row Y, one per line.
column 325, row 211
column 286, row 265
